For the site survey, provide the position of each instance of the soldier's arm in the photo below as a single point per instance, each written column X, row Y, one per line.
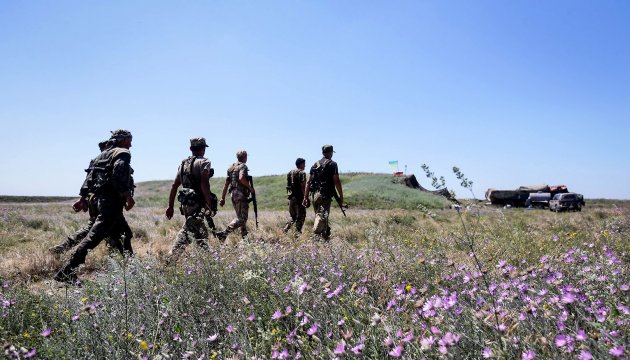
column 303, row 183
column 171, row 197
column 338, row 187
column 120, row 179
column 307, row 189
column 242, row 177
column 225, row 189
column 205, row 187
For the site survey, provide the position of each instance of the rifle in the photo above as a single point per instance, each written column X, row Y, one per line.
column 253, row 199
column 339, row 202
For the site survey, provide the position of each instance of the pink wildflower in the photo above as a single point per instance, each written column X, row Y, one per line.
column 617, row 351
column 585, row 355
column 276, row 315
column 397, row 351
column 340, row 348
column 528, row 355
column 486, row 352
column 313, row 329
column 45, row 333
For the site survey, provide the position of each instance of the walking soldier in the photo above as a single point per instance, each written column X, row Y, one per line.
column 239, row 188
column 193, row 175
column 296, row 184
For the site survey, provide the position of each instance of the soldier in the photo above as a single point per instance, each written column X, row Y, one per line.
column 296, row 183
column 120, row 236
column 323, row 182
column 83, row 204
column 239, row 187
column 111, row 184
column 194, row 175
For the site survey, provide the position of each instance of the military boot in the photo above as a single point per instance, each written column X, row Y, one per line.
column 63, row 247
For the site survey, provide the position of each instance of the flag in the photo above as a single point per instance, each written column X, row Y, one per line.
column 393, row 163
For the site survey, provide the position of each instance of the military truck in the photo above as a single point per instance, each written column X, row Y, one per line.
column 519, row 196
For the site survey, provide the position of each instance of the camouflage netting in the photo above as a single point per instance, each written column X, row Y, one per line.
column 412, row 182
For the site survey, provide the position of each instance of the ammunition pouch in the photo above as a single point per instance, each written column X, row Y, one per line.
column 189, row 201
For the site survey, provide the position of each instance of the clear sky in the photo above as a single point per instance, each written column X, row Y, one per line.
column 512, row 92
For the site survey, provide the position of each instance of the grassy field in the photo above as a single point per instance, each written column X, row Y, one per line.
column 393, row 282
column 361, row 190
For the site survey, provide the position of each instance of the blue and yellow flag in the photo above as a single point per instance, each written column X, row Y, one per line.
column 393, row 163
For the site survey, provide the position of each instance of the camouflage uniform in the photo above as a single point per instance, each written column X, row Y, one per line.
column 111, row 177
column 113, row 240
column 239, row 194
column 323, row 190
column 295, row 179
column 194, row 227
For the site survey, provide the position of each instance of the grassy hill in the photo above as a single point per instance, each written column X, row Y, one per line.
column 361, row 190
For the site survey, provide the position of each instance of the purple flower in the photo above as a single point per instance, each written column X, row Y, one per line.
column 176, row 337
column 252, row 317
column 276, row 315
column 229, row 329
column 336, row 292
column 426, row 343
column 76, row 317
column 528, row 355
column 617, row 351
column 45, row 333
column 30, row 354
column 568, row 298
column 212, row 338
column 340, row 348
column 358, row 349
column 585, row 355
column 501, row 263
column 397, row 351
column 561, row 340
column 581, row 335
column 388, row 341
column 313, row 329
column 303, row 287
column 486, row 352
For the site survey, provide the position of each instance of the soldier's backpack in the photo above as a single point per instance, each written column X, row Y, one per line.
column 191, row 196
column 322, row 180
column 100, row 171
column 294, row 186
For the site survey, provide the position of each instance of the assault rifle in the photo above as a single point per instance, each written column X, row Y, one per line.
column 341, row 206
column 253, row 199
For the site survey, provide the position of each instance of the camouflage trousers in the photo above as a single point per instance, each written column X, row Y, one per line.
column 241, row 206
column 119, row 238
column 110, row 220
column 194, row 228
column 321, row 205
column 297, row 213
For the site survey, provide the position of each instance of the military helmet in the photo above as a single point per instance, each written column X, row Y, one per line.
column 198, row 142
column 120, row 134
column 327, row 148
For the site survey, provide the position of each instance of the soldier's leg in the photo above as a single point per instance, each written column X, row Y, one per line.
column 201, row 232
column 184, row 237
column 300, row 216
column 97, row 233
column 73, row 239
column 243, row 214
column 127, row 236
column 292, row 214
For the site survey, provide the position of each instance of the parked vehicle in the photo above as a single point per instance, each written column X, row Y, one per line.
column 519, row 196
column 566, row 201
column 538, row 200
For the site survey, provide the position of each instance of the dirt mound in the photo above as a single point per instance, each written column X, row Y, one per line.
column 412, row 182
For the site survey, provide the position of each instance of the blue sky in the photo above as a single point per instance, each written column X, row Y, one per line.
column 512, row 92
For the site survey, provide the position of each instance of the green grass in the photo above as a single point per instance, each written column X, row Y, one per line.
column 361, row 191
